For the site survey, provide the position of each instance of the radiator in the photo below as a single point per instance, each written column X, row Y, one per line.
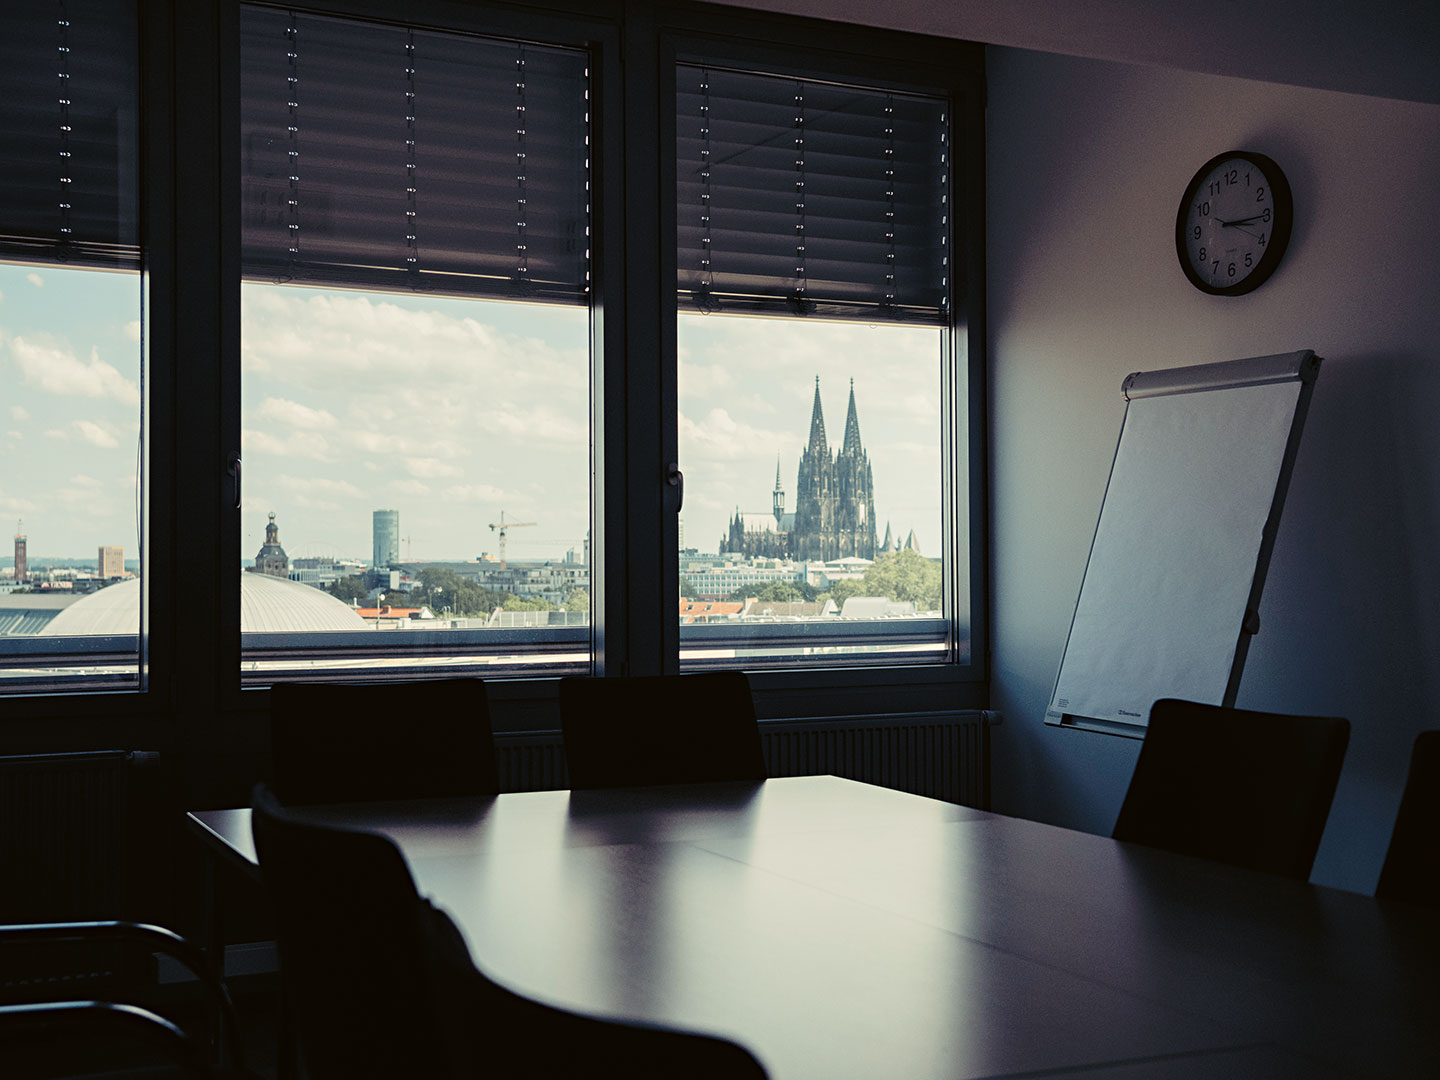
column 940, row 755
column 63, row 835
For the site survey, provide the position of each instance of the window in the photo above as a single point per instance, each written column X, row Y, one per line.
column 71, row 351
column 415, row 351
column 813, row 222
column 429, row 284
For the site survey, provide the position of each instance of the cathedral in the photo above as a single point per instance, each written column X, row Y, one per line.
column 834, row 516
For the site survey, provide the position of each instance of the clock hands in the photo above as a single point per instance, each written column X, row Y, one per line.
column 1241, row 221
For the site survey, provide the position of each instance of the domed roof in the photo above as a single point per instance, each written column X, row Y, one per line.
column 267, row 604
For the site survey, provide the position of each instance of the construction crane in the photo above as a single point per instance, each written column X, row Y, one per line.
column 408, row 553
column 501, row 528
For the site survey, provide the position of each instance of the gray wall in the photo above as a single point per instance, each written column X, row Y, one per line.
column 1087, row 162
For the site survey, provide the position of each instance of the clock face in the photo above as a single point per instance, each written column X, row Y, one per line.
column 1234, row 223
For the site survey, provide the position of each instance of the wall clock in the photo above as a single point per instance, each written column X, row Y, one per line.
column 1233, row 223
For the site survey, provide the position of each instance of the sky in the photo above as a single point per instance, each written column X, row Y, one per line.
column 449, row 411
column 70, row 394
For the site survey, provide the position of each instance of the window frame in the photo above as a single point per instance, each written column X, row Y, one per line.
column 864, row 56
column 193, row 699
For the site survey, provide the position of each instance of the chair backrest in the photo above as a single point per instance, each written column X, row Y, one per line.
column 1412, row 865
column 1247, row 788
column 663, row 729
column 378, row 982
column 352, row 951
column 334, row 742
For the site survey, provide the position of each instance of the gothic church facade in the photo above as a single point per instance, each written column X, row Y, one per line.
column 834, row 515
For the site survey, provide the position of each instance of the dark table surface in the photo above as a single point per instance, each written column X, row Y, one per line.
column 843, row 930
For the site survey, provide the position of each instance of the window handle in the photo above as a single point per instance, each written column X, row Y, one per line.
column 232, row 469
column 676, row 479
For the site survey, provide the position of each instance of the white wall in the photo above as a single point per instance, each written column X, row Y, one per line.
column 1087, row 160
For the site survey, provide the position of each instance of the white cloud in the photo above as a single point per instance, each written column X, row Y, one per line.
column 57, row 435
column 15, row 435
column 86, row 496
column 36, row 280
column 538, row 423
column 719, row 436
column 12, row 505
column 410, row 487
column 429, row 468
column 96, row 435
column 19, row 412
column 304, row 445
column 54, row 367
column 315, row 485
column 282, row 411
column 473, row 493
column 132, row 331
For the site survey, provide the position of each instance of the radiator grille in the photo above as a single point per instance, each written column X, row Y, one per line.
column 943, row 756
column 62, row 835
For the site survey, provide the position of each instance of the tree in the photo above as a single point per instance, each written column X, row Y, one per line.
column 444, row 589
column 578, row 600
column 905, row 576
column 349, row 589
column 842, row 590
column 511, row 602
column 778, row 592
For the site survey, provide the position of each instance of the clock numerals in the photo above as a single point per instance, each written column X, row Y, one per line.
column 1234, row 222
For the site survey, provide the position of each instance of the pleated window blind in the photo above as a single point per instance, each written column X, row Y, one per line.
column 378, row 156
column 68, row 133
column 812, row 198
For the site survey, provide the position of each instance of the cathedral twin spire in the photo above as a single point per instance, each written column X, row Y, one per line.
column 835, row 504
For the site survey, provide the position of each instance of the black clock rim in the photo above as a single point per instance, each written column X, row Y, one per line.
column 1279, row 234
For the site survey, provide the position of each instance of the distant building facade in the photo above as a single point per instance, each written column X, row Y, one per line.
column 110, row 562
column 271, row 559
column 386, row 538
column 22, row 569
column 834, row 515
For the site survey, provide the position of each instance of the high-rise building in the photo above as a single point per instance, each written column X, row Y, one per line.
column 21, row 569
column 386, row 538
column 110, row 563
column 834, row 515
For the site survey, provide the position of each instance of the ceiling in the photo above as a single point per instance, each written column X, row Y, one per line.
column 1383, row 48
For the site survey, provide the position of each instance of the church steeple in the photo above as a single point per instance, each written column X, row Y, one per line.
column 851, row 446
column 271, row 558
column 777, row 497
column 817, row 425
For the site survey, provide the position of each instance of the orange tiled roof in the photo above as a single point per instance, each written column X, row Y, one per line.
column 691, row 608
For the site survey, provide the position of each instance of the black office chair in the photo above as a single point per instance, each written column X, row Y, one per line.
column 1250, row 789
column 663, row 729
column 107, row 1015
column 334, row 742
column 380, row 983
column 1412, row 865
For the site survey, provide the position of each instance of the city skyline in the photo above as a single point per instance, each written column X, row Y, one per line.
column 448, row 411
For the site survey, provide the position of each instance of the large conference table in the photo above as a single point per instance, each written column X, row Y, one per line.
column 843, row 930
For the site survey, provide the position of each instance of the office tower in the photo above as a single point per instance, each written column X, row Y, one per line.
column 21, row 570
column 386, row 538
column 110, row 563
